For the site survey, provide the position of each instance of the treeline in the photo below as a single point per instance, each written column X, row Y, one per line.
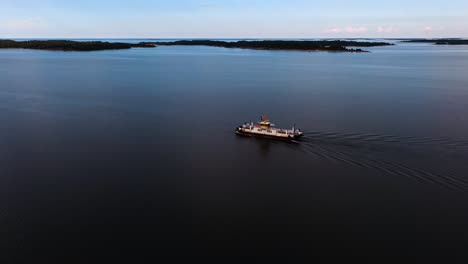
column 306, row 45
column 439, row 41
column 67, row 45
column 325, row 45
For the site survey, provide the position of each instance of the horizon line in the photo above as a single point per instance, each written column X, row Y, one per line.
column 396, row 38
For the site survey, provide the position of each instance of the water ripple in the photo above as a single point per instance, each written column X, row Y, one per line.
column 353, row 157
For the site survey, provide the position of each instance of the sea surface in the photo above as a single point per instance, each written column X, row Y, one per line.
column 112, row 152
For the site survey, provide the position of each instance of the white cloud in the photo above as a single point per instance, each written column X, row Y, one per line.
column 333, row 30
column 387, row 29
column 348, row 29
column 428, row 29
column 436, row 30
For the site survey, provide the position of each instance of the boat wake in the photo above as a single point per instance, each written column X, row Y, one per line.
column 354, row 137
column 346, row 150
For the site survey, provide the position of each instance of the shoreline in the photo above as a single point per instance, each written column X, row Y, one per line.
column 295, row 45
column 301, row 50
column 68, row 45
column 450, row 42
column 272, row 45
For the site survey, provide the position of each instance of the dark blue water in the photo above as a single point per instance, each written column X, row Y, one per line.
column 112, row 152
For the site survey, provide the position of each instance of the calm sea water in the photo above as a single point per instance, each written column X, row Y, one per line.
column 133, row 151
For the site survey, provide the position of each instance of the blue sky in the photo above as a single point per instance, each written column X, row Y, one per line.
column 232, row 18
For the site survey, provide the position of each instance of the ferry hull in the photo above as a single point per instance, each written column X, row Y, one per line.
column 247, row 134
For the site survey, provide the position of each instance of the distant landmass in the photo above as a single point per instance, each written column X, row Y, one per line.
column 299, row 45
column 439, row 41
column 67, row 45
column 323, row 45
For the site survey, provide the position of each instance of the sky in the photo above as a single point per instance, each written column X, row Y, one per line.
column 232, row 18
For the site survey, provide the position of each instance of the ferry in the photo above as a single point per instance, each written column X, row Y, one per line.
column 265, row 128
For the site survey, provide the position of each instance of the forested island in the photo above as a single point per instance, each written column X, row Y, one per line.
column 68, row 45
column 439, row 41
column 299, row 45
column 322, row 45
